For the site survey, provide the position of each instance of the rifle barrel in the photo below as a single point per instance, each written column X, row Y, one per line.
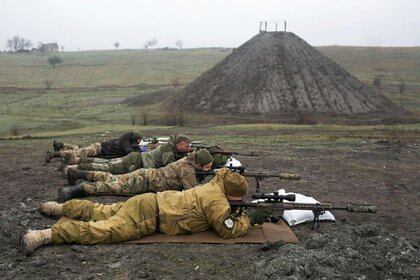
column 306, row 206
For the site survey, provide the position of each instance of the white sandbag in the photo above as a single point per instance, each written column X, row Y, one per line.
column 232, row 162
column 295, row 217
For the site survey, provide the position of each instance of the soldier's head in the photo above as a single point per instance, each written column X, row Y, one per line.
column 235, row 184
column 136, row 137
column 204, row 159
column 182, row 143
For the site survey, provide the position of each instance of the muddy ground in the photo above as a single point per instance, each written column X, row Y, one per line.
column 357, row 246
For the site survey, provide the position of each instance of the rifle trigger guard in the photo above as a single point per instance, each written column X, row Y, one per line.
column 316, row 225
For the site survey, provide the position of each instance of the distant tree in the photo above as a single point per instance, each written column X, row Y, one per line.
column 150, row 43
column 17, row 44
column 55, row 60
column 179, row 44
column 144, row 115
column 377, row 81
column 133, row 119
column 116, row 45
column 401, row 87
column 62, row 48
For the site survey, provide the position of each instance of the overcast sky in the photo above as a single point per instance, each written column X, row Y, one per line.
column 97, row 24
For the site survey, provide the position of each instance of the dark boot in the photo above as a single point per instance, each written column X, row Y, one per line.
column 58, row 145
column 49, row 155
column 73, row 175
column 67, row 193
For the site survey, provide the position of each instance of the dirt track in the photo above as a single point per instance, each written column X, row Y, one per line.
column 380, row 173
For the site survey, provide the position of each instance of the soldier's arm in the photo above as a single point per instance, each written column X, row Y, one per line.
column 189, row 180
column 167, row 157
column 226, row 225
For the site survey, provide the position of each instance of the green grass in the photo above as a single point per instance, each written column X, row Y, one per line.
column 367, row 62
column 89, row 87
column 107, row 68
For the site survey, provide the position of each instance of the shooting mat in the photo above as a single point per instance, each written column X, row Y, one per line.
column 268, row 232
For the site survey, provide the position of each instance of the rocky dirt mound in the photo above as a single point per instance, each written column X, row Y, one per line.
column 363, row 252
column 279, row 73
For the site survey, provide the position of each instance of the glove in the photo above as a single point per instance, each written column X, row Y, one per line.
column 260, row 216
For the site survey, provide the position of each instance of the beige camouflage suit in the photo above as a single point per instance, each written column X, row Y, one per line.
column 179, row 175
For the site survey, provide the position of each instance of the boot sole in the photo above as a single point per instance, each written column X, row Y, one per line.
column 24, row 246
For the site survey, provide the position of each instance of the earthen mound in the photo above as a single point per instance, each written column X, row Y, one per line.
column 279, row 73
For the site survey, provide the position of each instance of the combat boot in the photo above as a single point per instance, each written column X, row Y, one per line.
column 51, row 208
column 67, row 193
column 49, row 155
column 33, row 239
column 73, row 175
column 58, row 145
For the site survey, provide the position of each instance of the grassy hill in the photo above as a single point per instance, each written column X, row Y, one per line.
column 88, row 87
column 107, row 68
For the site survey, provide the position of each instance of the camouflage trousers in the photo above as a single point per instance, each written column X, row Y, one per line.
column 67, row 146
column 112, row 223
column 90, row 151
column 114, row 166
column 105, row 183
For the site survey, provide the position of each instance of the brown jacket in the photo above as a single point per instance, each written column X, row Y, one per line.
column 200, row 209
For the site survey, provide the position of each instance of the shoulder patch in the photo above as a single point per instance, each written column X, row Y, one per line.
column 228, row 223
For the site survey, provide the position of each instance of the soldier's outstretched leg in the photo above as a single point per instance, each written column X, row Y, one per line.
column 135, row 218
column 135, row 182
column 67, row 193
column 91, row 166
column 73, row 175
column 118, row 222
column 50, row 155
column 51, row 208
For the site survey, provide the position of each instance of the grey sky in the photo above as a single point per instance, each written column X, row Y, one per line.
column 96, row 24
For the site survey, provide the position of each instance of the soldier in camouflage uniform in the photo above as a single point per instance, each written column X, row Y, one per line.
column 122, row 146
column 175, row 149
column 179, row 175
column 170, row 212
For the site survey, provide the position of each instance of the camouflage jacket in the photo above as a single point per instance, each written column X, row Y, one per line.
column 159, row 157
column 200, row 209
column 179, row 175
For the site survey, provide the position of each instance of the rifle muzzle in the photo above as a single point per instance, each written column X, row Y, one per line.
column 287, row 176
column 361, row 208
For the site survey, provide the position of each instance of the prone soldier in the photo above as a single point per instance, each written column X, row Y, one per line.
column 170, row 212
column 179, row 175
column 122, row 146
column 175, row 149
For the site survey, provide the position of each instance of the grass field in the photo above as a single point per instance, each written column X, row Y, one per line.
column 88, row 88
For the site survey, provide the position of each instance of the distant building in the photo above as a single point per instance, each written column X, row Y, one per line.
column 52, row 47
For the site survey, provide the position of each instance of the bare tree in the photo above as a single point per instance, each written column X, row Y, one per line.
column 401, row 87
column 179, row 44
column 54, row 60
column 116, row 45
column 144, row 115
column 150, row 43
column 175, row 114
column 133, row 118
column 17, row 44
column 377, row 81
